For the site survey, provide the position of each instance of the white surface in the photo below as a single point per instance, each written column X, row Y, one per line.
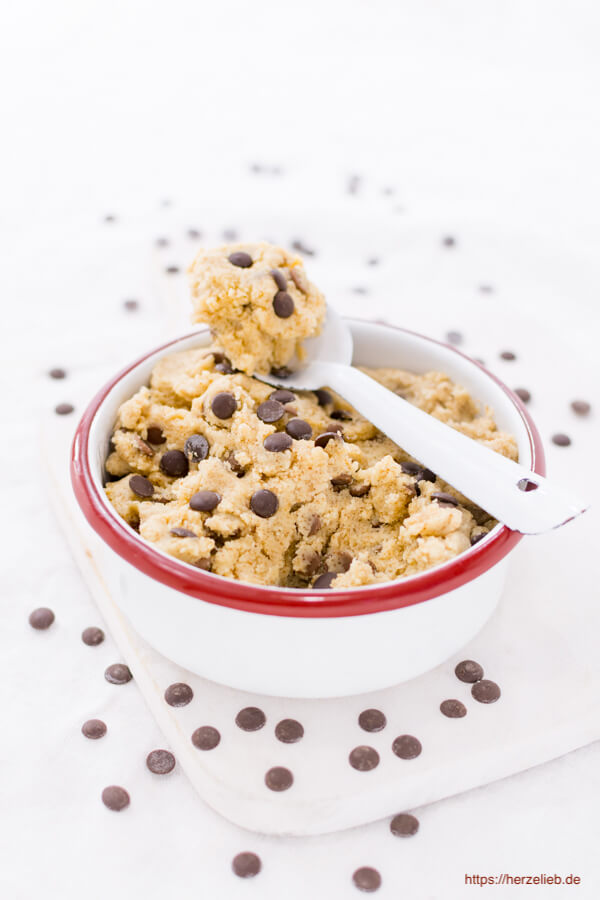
column 470, row 112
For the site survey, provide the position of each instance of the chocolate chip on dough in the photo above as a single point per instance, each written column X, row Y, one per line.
column 282, row 396
column 182, row 532
column 204, row 501
column 279, row 279
column 141, row 486
column 196, row 448
column 278, row 442
column 323, row 439
column 174, row 463
column 299, row 429
column 323, row 582
column 240, row 259
column 223, row 405
column 283, row 305
column 270, row 411
column 444, row 499
column 264, row 503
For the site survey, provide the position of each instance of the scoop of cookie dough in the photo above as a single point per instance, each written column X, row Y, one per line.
column 258, row 302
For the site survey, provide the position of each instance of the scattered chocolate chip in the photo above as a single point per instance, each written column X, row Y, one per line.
column 404, row 825
column 364, row 758
column 278, row 442
column 359, row 490
column 246, row 865
column 115, row 798
column 323, row 439
column 41, row 618
column 141, row 486
column 468, row 671
column 131, row 305
column 264, row 503
column 485, row 691
column 444, row 499
column 453, row 709
column 160, row 762
column 251, row 718
column 288, row 731
column 283, row 304
column 57, row 373
column 406, row 746
column 561, row 440
column 93, row 729
column 279, row 279
column 315, row 525
column 367, row 879
column 323, row 397
column 342, row 480
column 449, row 241
column 323, row 582
column 196, row 448
column 283, row 396
column 372, row 720
column 454, row 337
column 508, row 355
column 174, row 463
column 92, row 636
column 281, row 372
column 63, row 409
column 206, row 738
column 301, row 247
column 182, row 532
column 223, row 405
column 270, row 411
column 299, row 429
column 172, row 270
column 240, row 259
column 179, row 694
column 475, row 538
column 118, row 673
column 341, row 415
column 204, row 501
column 155, row 435
column 279, row 779
column 194, row 234
column 581, row 407
column 523, row 394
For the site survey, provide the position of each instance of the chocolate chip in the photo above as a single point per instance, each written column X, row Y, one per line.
column 174, row 463
column 118, row 673
column 92, row 636
column 523, row 394
column 279, row 279
column 406, row 746
column 372, row 720
column 323, row 439
column 172, row 270
column 301, row 247
column 342, row 480
column 57, row 373
column 367, row 879
column 41, row 618
column 475, row 538
column 282, row 396
column 206, row 738
column 155, row 435
column 270, row 411
column 204, row 501
column 449, row 241
column 581, row 407
column 142, row 446
column 323, row 397
column 225, row 367
column 283, row 305
column 160, row 762
column 264, row 503
column 204, row 563
column 179, row 694
column 240, row 259
column 444, row 499
column 299, row 429
column 115, row 798
column 279, row 779
column 182, row 532
column 223, row 405
column 453, row 709
column 485, row 691
column 364, row 758
column 359, row 490
column 315, row 525
column 288, row 731
column 196, row 448
column 411, row 468
column 246, row 865
column 131, row 305
column 561, row 440
column 93, row 729
column 468, row 671
column 234, row 464
column 454, row 337
column 404, row 825
column 508, row 355
column 63, row 409
column 278, row 442
column 281, row 371
column 323, row 582
column 251, row 718
column 341, row 414
column 141, row 486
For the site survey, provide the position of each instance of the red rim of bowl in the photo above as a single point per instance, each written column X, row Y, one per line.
column 275, row 600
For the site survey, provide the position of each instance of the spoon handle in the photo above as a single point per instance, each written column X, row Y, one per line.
column 502, row 487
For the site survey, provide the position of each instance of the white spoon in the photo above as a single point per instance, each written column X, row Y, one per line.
column 521, row 499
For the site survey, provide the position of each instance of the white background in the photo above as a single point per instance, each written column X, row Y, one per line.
column 470, row 111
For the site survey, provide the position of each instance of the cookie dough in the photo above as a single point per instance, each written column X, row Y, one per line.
column 280, row 488
column 258, row 303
